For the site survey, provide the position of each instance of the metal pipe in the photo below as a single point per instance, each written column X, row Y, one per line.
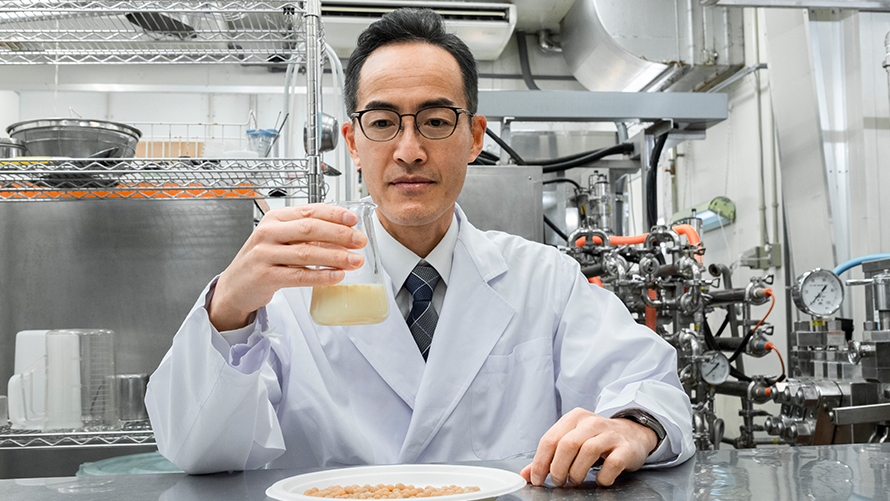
column 688, row 338
column 663, row 231
column 546, row 42
column 764, row 230
column 593, row 271
column 728, row 343
column 312, row 20
column 733, row 388
column 588, row 234
column 724, row 271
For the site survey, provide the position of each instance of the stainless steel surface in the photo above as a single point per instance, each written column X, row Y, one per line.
column 677, row 46
column 831, row 473
column 69, row 32
column 129, row 390
column 11, row 148
column 134, row 268
column 686, row 110
column 589, row 49
column 504, row 198
column 75, row 138
column 862, row 414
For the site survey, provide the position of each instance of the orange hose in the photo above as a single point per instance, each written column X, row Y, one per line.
column 772, row 347
column 650, row 314
column 595, row 280
column 768, row 292
column 683, row 229
column 614, row 240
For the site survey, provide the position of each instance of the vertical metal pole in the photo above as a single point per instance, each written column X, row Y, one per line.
column 313, row 94
column 887, row 55
column 646, row 145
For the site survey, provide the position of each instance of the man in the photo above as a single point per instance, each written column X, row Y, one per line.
column 527, row 359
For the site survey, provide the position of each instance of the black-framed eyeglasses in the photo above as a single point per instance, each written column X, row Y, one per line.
column 438, row 122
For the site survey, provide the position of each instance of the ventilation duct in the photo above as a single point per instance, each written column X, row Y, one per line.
column 651, row 45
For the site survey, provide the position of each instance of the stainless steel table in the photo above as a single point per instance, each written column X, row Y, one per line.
column 825, row 473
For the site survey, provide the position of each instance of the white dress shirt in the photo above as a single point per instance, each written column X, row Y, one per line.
column 398, row 261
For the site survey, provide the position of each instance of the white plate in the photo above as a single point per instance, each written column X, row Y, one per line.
column 492, row 482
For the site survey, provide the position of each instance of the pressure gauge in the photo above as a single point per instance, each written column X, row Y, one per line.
column 714, row 367
column 818, row 292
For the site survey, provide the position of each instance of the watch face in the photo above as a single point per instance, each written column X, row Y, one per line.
column 714, row 367
column 818, row 292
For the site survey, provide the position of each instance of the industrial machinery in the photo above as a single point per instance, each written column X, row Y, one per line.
column 661, row 278
column 840, row 388
column 836, row 390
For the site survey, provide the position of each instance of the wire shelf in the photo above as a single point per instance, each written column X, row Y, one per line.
column 154, row 178
column 151, row 32
column 132, row 434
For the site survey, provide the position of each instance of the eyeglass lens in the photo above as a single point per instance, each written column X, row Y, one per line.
column 432, row 123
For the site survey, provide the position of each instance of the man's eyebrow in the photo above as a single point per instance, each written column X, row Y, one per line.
column 430, row 103
column 442, row 101
column 381, row 105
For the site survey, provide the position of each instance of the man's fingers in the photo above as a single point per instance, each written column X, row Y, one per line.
column 314, row 255
column 541, row 465
column 327, row 212
column 310, row 230
column 589, row 453
column 617, row 461
column 314, row 278
column 526, row 473
column 574, row 456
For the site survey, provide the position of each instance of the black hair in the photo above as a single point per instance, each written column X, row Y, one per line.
column 407, row 25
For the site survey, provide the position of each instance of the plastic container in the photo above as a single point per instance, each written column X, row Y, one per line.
column 79, row 368
column 260, row 140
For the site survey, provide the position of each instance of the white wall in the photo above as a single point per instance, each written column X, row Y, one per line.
column 9, row 110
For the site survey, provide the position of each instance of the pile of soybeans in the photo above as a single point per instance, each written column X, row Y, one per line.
column 381, row 491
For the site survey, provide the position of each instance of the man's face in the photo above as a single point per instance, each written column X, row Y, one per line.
column 413, row 180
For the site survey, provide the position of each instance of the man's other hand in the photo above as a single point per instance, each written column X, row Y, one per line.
column 581, row 438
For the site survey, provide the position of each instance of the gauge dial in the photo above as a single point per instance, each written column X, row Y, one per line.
column 714, row 367
column 818, row 292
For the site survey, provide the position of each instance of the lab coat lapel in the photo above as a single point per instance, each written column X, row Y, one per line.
column 472, row 320
column 391, row 350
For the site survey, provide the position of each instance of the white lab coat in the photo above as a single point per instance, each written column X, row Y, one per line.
column 522, row 338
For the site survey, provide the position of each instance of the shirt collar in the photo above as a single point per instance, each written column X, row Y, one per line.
column 398, row 260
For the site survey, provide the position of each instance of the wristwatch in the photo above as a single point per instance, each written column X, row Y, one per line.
column 642, row 417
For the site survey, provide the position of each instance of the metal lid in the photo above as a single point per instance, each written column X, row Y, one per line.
column 75, row 123
column 10, row 142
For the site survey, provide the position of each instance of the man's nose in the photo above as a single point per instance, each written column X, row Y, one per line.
column 409, row 143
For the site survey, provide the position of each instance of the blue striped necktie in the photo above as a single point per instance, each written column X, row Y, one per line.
column 423, row 317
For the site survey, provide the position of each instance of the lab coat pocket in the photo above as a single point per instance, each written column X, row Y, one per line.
column 514, row 401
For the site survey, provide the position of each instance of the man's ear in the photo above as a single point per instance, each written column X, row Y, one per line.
column 349, row 135
column 479, row 124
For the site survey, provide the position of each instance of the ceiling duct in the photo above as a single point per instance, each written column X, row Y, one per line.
column 651, row 45
column 485, row 27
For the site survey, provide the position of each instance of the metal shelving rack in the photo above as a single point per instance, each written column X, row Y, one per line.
column 145, row 179
column 151, row 31
column 159, row 32
column 246, row 32
column 133, row 434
